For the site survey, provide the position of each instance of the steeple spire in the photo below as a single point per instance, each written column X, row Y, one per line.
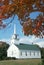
column 15, row 31
column 14, row 28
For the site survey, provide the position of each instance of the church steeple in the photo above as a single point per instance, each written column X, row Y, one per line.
column 15, row 38
column 15, row 31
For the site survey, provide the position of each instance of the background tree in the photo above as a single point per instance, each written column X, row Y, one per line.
column 23, row 8
column 42, row 53
column 3, row 50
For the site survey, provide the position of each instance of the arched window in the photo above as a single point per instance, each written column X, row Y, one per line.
column 34, row 53
column 21, row 53
column 30, row 53
column 38, row 53
column 26, row 53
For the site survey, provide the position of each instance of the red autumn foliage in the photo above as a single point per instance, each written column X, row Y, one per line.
column 23, row 8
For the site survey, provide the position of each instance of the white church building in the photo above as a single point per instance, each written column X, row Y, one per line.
column 22, row 51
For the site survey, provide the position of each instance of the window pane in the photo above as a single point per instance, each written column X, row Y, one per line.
column 21, row 53
column 30, row 53
column 34, row 53
column 26, row 53
column 38, row 53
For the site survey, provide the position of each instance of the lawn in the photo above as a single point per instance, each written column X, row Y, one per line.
column 21, row 62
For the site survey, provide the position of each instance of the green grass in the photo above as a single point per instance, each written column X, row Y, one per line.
column 21, row 62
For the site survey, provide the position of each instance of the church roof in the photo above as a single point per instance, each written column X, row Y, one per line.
column 28, row 47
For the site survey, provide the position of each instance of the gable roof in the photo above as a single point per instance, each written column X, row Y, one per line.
column 28, row 47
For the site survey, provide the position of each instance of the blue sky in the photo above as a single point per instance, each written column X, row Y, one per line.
column 9, row 30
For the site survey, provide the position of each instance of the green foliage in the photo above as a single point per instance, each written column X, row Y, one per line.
column 42, row 53
column 42, row 61
column 3, row 51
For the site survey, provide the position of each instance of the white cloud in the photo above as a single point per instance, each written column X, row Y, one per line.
column 41, row 44
column 39, row 41
column 25, row 40
column 28, row 40
column 6, row 40
column 32, row 39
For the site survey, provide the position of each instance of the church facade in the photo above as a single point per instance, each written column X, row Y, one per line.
column 22, row 51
